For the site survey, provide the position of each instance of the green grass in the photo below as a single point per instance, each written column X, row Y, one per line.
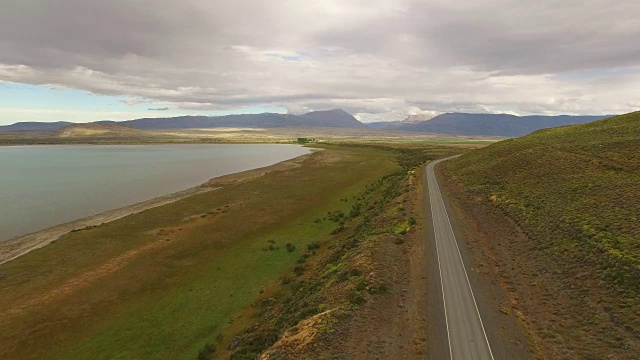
column 576, row 189
column 450, row 142
column 575, row 192
column 173, row 297
column 336, row 277
column 165, row 282
column 400, row 228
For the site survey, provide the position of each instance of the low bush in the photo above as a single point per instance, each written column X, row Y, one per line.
column 206, row 352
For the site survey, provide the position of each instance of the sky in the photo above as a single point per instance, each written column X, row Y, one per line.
column 381, row 60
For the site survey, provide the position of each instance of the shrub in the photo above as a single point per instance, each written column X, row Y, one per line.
column 362, row 285
column 298, row 270
column 206, row 352
column 378, row 290
column 355, row 272
column 338, row 230
column 357, row 299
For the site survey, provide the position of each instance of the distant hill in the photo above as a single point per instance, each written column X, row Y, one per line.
column 575, row 193
column 266, row 120
column 412, row 119
column 35, row 126
column 487, row 124
column 392, row 125
column 330, row 118
column 99, row 130
column 377, row 124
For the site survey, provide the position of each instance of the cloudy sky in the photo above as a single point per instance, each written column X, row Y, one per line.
column 85, row 60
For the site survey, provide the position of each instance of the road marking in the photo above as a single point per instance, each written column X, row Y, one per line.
column 467, row 277
column 444, row 301
column 435, row 180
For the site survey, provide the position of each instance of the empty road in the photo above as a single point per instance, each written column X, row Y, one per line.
column 466, row 335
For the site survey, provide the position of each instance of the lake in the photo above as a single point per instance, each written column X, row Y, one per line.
column 43, row 186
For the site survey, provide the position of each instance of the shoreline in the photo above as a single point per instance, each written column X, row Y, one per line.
column 143, row 143
column 13, row 248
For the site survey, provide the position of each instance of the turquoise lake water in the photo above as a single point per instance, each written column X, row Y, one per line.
column 43, row 186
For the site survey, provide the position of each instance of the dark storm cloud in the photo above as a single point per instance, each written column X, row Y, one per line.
column 375, row 58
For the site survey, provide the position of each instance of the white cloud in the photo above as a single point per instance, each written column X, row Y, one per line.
column 379, row 59
column 21, row 114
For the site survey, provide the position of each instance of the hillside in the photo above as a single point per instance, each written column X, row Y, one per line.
column 99, row 130
column 331, row 118
column 35, row 126
column 487, row 124
column 575, row 194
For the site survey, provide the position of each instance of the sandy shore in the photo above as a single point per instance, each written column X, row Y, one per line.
column 16, row 247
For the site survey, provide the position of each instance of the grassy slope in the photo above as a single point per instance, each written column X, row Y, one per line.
column 575, row 191
column 161, row 283
column 329, row 290
column 100, row 130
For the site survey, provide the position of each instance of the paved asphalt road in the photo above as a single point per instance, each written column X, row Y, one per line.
column 465, row 331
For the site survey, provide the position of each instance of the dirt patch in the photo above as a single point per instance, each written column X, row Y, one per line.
column 393, row 326
column 297, row 338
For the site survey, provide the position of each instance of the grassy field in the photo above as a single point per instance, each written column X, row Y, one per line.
column 241, row 135
column 165, row 282
column 575, row 192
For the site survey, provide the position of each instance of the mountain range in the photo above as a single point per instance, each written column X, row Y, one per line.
column 329, row 118
column 450, row 123
column 486, row 124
